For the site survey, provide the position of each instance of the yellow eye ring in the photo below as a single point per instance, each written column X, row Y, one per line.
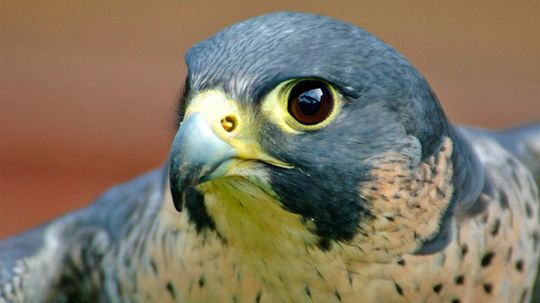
column 282, row 105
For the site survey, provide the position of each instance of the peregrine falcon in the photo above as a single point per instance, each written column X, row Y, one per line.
column 312, row 163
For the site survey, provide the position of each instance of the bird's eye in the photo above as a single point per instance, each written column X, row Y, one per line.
column 310, row 102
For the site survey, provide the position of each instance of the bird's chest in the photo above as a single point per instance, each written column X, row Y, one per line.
column 471, row 268
column 212, row 271
column 209, row 275
column 491, row 258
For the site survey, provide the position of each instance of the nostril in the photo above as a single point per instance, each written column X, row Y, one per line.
column 229, row 123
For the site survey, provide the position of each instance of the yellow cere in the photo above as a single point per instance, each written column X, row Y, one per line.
column 221, row 112
column 214, row 105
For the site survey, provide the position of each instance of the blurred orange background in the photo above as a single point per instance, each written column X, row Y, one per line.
column 88, row 88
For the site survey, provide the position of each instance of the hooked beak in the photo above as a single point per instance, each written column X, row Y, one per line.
column 196, row 152
column 210, row 141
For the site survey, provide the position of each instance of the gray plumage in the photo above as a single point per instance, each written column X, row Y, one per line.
column 402, row 205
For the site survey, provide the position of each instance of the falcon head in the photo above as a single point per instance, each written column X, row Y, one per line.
column 301, row 129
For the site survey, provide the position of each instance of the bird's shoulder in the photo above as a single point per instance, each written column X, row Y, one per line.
column 509, row 182
column 36, row 264
column 509, row 219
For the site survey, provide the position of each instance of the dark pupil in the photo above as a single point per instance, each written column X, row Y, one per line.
column 310, row 101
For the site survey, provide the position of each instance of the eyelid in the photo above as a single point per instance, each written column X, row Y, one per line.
column 274, row 106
